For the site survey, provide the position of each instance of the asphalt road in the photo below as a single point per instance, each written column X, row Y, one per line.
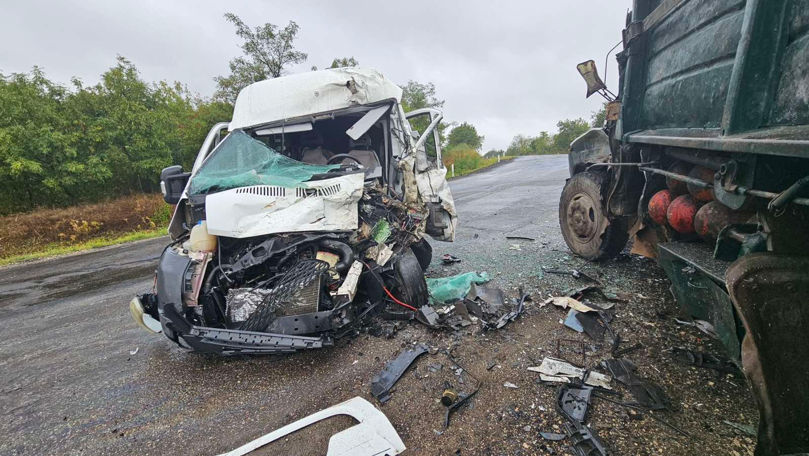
column 79, row 377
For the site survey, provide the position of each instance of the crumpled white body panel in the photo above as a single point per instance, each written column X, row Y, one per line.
column 372, row 436
column 310, row 93
column 325, row 205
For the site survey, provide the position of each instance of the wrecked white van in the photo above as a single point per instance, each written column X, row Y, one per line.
column 301, row 217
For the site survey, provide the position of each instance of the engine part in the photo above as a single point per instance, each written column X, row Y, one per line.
column 295, row 281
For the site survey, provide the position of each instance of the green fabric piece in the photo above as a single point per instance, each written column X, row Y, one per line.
column 448, row 289
column 381, row 231
column 240, row 161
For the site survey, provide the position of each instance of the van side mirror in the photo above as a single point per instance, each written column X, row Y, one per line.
column 172, row 183
column 588, row 71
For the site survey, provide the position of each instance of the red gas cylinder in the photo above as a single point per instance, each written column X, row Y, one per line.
column 659, row 205
column 678, row 187
column 714, row 216
column 700, row 193
column 681, row 214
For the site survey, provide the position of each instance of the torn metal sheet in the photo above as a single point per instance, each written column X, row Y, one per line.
column 372, row 436
column 557, row 370
column 493, row 298
column 393, row 371
column 324, row 205
column 566, row 302
column 592, row 324
column 510, row 316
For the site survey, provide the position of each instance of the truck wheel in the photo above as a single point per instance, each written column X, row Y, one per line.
column 585, row 226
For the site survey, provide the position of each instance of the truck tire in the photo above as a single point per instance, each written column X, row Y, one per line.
column 587, row 229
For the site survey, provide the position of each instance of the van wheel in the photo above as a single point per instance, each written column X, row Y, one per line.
column 585, row 226
column 410, row 286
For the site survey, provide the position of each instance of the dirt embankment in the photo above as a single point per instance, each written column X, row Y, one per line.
column 43, row 228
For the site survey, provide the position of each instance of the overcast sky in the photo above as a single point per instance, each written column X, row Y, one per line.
column 507, row 67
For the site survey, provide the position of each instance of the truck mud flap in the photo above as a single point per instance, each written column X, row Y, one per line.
column 770, row 294
column 233, row 342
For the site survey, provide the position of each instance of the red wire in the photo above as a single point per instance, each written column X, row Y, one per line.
column 390, row 295
column 408, row 306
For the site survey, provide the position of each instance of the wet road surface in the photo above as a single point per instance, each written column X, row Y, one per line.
column 79, row 377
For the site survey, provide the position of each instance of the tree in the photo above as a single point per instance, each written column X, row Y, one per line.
column 465, row 133
column 520, row 145
column 568, row 131
column 416, row 95
column 344, row 62
column 597, row 118
column 267, row 49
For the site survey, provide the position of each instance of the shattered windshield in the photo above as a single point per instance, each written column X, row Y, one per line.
column 241, row 161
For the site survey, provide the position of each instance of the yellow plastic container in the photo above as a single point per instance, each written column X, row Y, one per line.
column 201, row 240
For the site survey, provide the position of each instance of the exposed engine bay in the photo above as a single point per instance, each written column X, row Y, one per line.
column 281, row 292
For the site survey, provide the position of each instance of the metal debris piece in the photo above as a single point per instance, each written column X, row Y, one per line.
column 566, row 302
column 747, row 429
column 585, row 442
column 134, row 352
column 427, row 316
column 493, row 298
column 702, row 325
column 572, row 322
column 511, row 316
column 393, row 371
column 573, row 273
column 552, row 436
column 373, row 435
column 514, row 247
column 462, row 400
column 510, row 385
column 646, row 394
column 556, row 370
column 593, row 324
column 706, row 360
column 449, row 259
column 521, row 238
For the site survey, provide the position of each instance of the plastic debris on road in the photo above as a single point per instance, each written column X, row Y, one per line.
column 448, row 289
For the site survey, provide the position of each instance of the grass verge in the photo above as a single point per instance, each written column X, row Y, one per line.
column 56, row 249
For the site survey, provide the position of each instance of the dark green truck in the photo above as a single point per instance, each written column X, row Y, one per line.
column 704, row 162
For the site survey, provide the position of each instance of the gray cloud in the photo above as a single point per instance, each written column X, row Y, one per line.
column 507, row 67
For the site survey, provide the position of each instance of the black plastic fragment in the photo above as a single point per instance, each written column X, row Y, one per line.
column 646, row 394
column 584, row 441
column 574, row 401
column 393, row 371
column 552, row 436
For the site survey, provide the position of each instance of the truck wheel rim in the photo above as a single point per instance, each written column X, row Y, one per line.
column 582, row 217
